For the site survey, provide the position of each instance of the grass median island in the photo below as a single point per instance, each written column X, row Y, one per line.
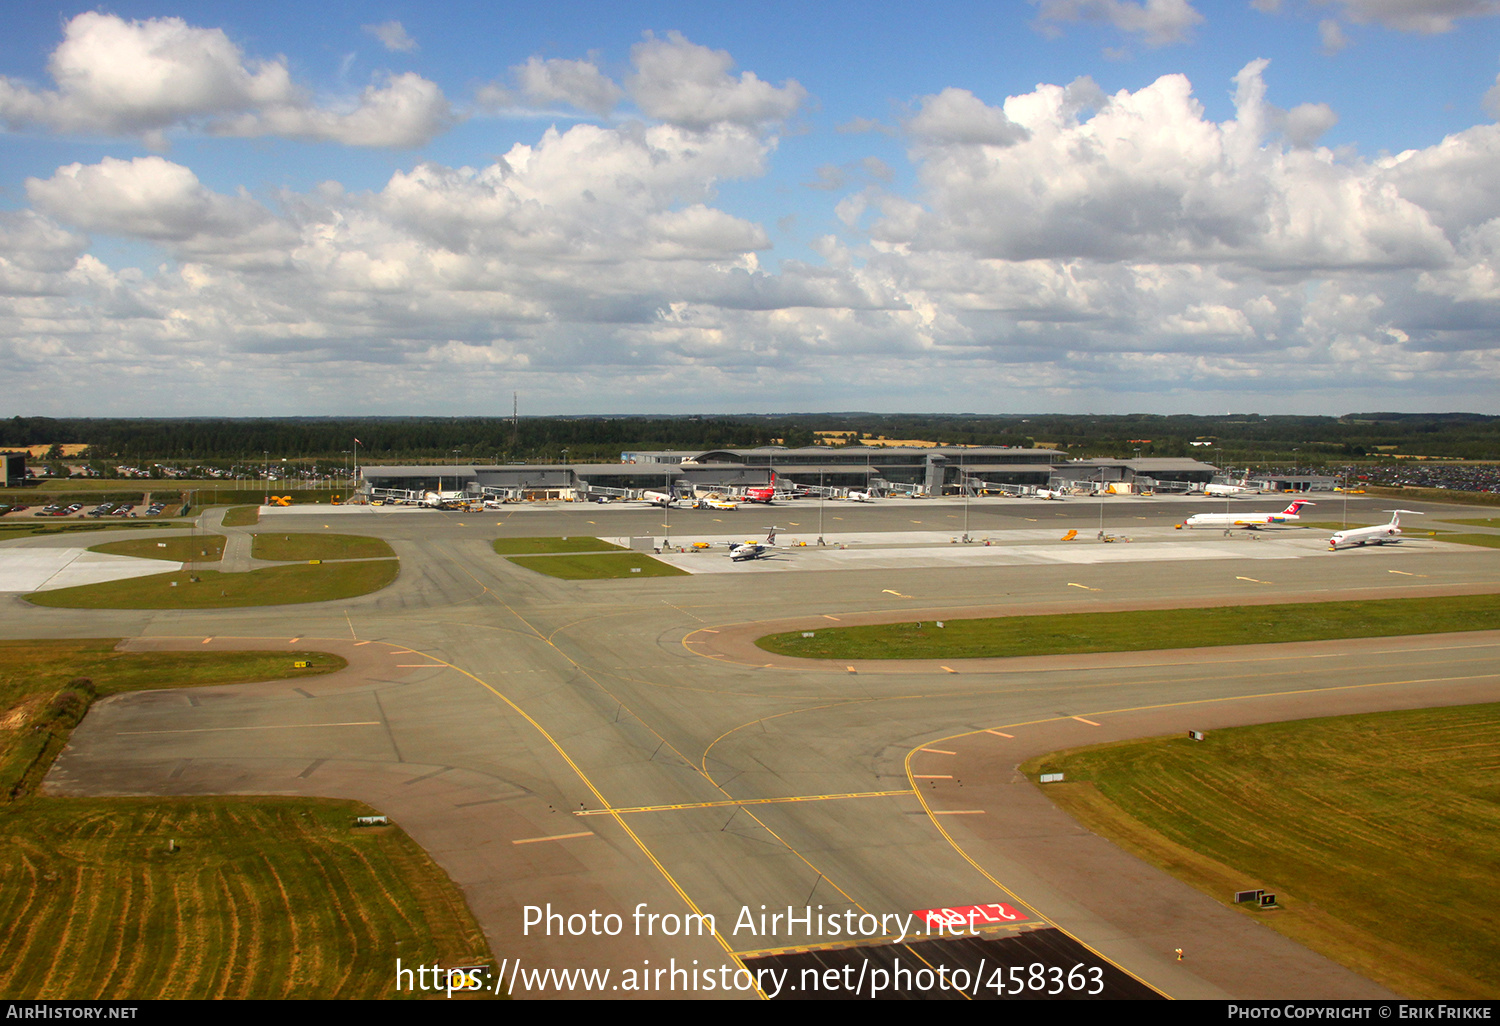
column 598, row 566
column 272, row 586
column 1378, row 833
column 319, row 546
column 537, row 546
column 18, row 528
column 1143, row 629
column 262, row 898
column 242, row 516
column 1481, row 522
column 199, row 548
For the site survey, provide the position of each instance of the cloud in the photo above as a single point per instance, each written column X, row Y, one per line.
column 958, row 117
column 1427, row 17
column 685, row 84
column 392, row 36
column 1332, row 35
column 144, row 78
column 1156, row 22
column 578, row 84
column 154, row 199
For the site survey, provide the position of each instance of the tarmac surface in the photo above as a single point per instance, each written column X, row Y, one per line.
column 621, row 748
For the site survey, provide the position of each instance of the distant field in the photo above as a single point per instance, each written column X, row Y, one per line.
column 1142, row 630
column 1482, row 522
column 202, row 548
column 531, row 546
column 319, row 546
column 601, row 566
column 277, row 585
column 263, row 898
column 1438, row 495
column 1379, row 834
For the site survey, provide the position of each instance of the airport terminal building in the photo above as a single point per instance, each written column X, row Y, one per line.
column 882, row 470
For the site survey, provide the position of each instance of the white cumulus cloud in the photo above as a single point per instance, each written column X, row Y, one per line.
column 144, row 78
column 682, row 83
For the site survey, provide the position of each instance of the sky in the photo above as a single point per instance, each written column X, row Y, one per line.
column 1071, row 206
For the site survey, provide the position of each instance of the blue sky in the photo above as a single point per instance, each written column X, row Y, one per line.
column 1065, row 205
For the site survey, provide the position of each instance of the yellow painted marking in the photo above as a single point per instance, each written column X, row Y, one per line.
column 293, row 641
column 888, row 591
column 958, row 812
column 207, row 640
column 1252, row 580
column 359, row 643
column 1403, row 573
column 938, row 751
column 1085, row 587
column 849, row 668
column 682, row 806
column 1030, row 519
column 420, row 666
column 1080, row 719
column 933, row 776
column 271, row 726
column 401, row 651
column 950, row 669
column 554, row 837
column 833, row 618
column 999, row 733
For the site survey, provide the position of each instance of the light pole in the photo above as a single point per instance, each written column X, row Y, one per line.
column 267, row 454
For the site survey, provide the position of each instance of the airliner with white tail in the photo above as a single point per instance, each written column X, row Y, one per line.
column 1380, row 534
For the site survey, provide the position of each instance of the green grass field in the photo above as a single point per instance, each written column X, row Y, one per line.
column 201, row 548
column 1143, row 630
column 242, row 516
column 536, row 546
column 277, row 585
column 1379, row 834
column 319, row 546
column 599, row 566
column 16, row 527
column 1488, row 541
column 262, row 898
column 1480, row 522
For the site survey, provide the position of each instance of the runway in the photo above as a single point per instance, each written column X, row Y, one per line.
column 579, row 745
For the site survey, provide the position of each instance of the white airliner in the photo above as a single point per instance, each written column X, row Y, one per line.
column 1250, row 521
column 1048, row 493
column 861, row 497
column 753, row 550
column 1224, row 490
column 659, row 499
column 1377, row 535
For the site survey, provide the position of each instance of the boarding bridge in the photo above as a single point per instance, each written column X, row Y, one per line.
column 491, row 493
column 591, row 490
column 397, row 496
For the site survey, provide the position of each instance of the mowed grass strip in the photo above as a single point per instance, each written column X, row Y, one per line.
column 16, row 527
column 272, row 586
column 1488, row 541
column 242, row 516
column 1482, row 522
column 263, row 898
column 1378, row 833
column 535, row 546
column 199, row 548
column 1143, row 630
column 598, row 567
column 319, row 546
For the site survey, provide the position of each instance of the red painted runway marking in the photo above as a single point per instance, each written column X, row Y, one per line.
column 969, row 916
